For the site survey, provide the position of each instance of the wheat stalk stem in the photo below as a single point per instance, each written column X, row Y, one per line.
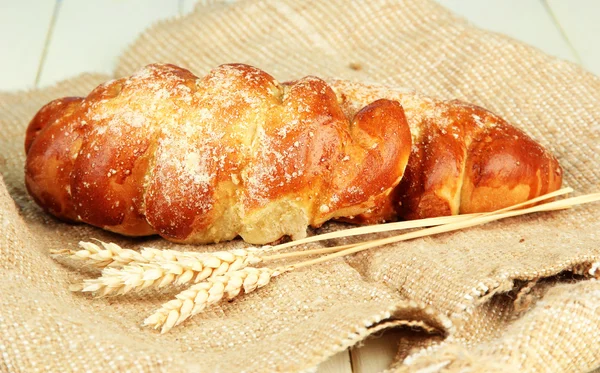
column 395, row 226
column 294, row 254
column 483, row 219
column 419, row 223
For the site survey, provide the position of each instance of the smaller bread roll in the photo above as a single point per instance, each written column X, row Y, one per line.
column 464, row 159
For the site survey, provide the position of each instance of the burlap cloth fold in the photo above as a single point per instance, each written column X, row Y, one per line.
column 518, row 295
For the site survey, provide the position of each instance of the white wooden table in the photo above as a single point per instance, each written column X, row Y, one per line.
column 45, row 41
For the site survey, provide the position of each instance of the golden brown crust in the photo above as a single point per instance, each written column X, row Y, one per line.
column 47, row 171
column 237, row 153
column 464, row 158
column 204, row 160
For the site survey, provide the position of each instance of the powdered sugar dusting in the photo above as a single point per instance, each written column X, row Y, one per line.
column 422, row 112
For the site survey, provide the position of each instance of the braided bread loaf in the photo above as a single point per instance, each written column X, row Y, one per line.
column 237, row 153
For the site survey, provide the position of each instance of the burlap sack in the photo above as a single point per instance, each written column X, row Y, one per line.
column 518, row 295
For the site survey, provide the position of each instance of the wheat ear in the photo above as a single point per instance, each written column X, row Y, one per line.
column 199, row 296
column 189, row 267
column 109, row 254
column 113, row 255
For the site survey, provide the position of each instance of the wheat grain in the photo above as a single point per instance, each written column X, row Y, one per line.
column 110, row 254
column 199, row 296
column 160, row 272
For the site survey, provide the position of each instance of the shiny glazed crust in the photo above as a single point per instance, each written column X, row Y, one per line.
column 464, row 159
column 207, row 159
column 236, row 153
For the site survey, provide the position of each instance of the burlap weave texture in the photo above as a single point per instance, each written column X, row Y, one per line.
column 518, row 295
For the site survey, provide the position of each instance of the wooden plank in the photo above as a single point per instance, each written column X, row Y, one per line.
column 578, row 19
column 90, row 35
column 186, row 6
column 525, row 20
column 338, row 363
column 24, row 28
column 377, row 352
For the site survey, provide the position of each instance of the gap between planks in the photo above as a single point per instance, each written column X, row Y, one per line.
column 55, row 12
